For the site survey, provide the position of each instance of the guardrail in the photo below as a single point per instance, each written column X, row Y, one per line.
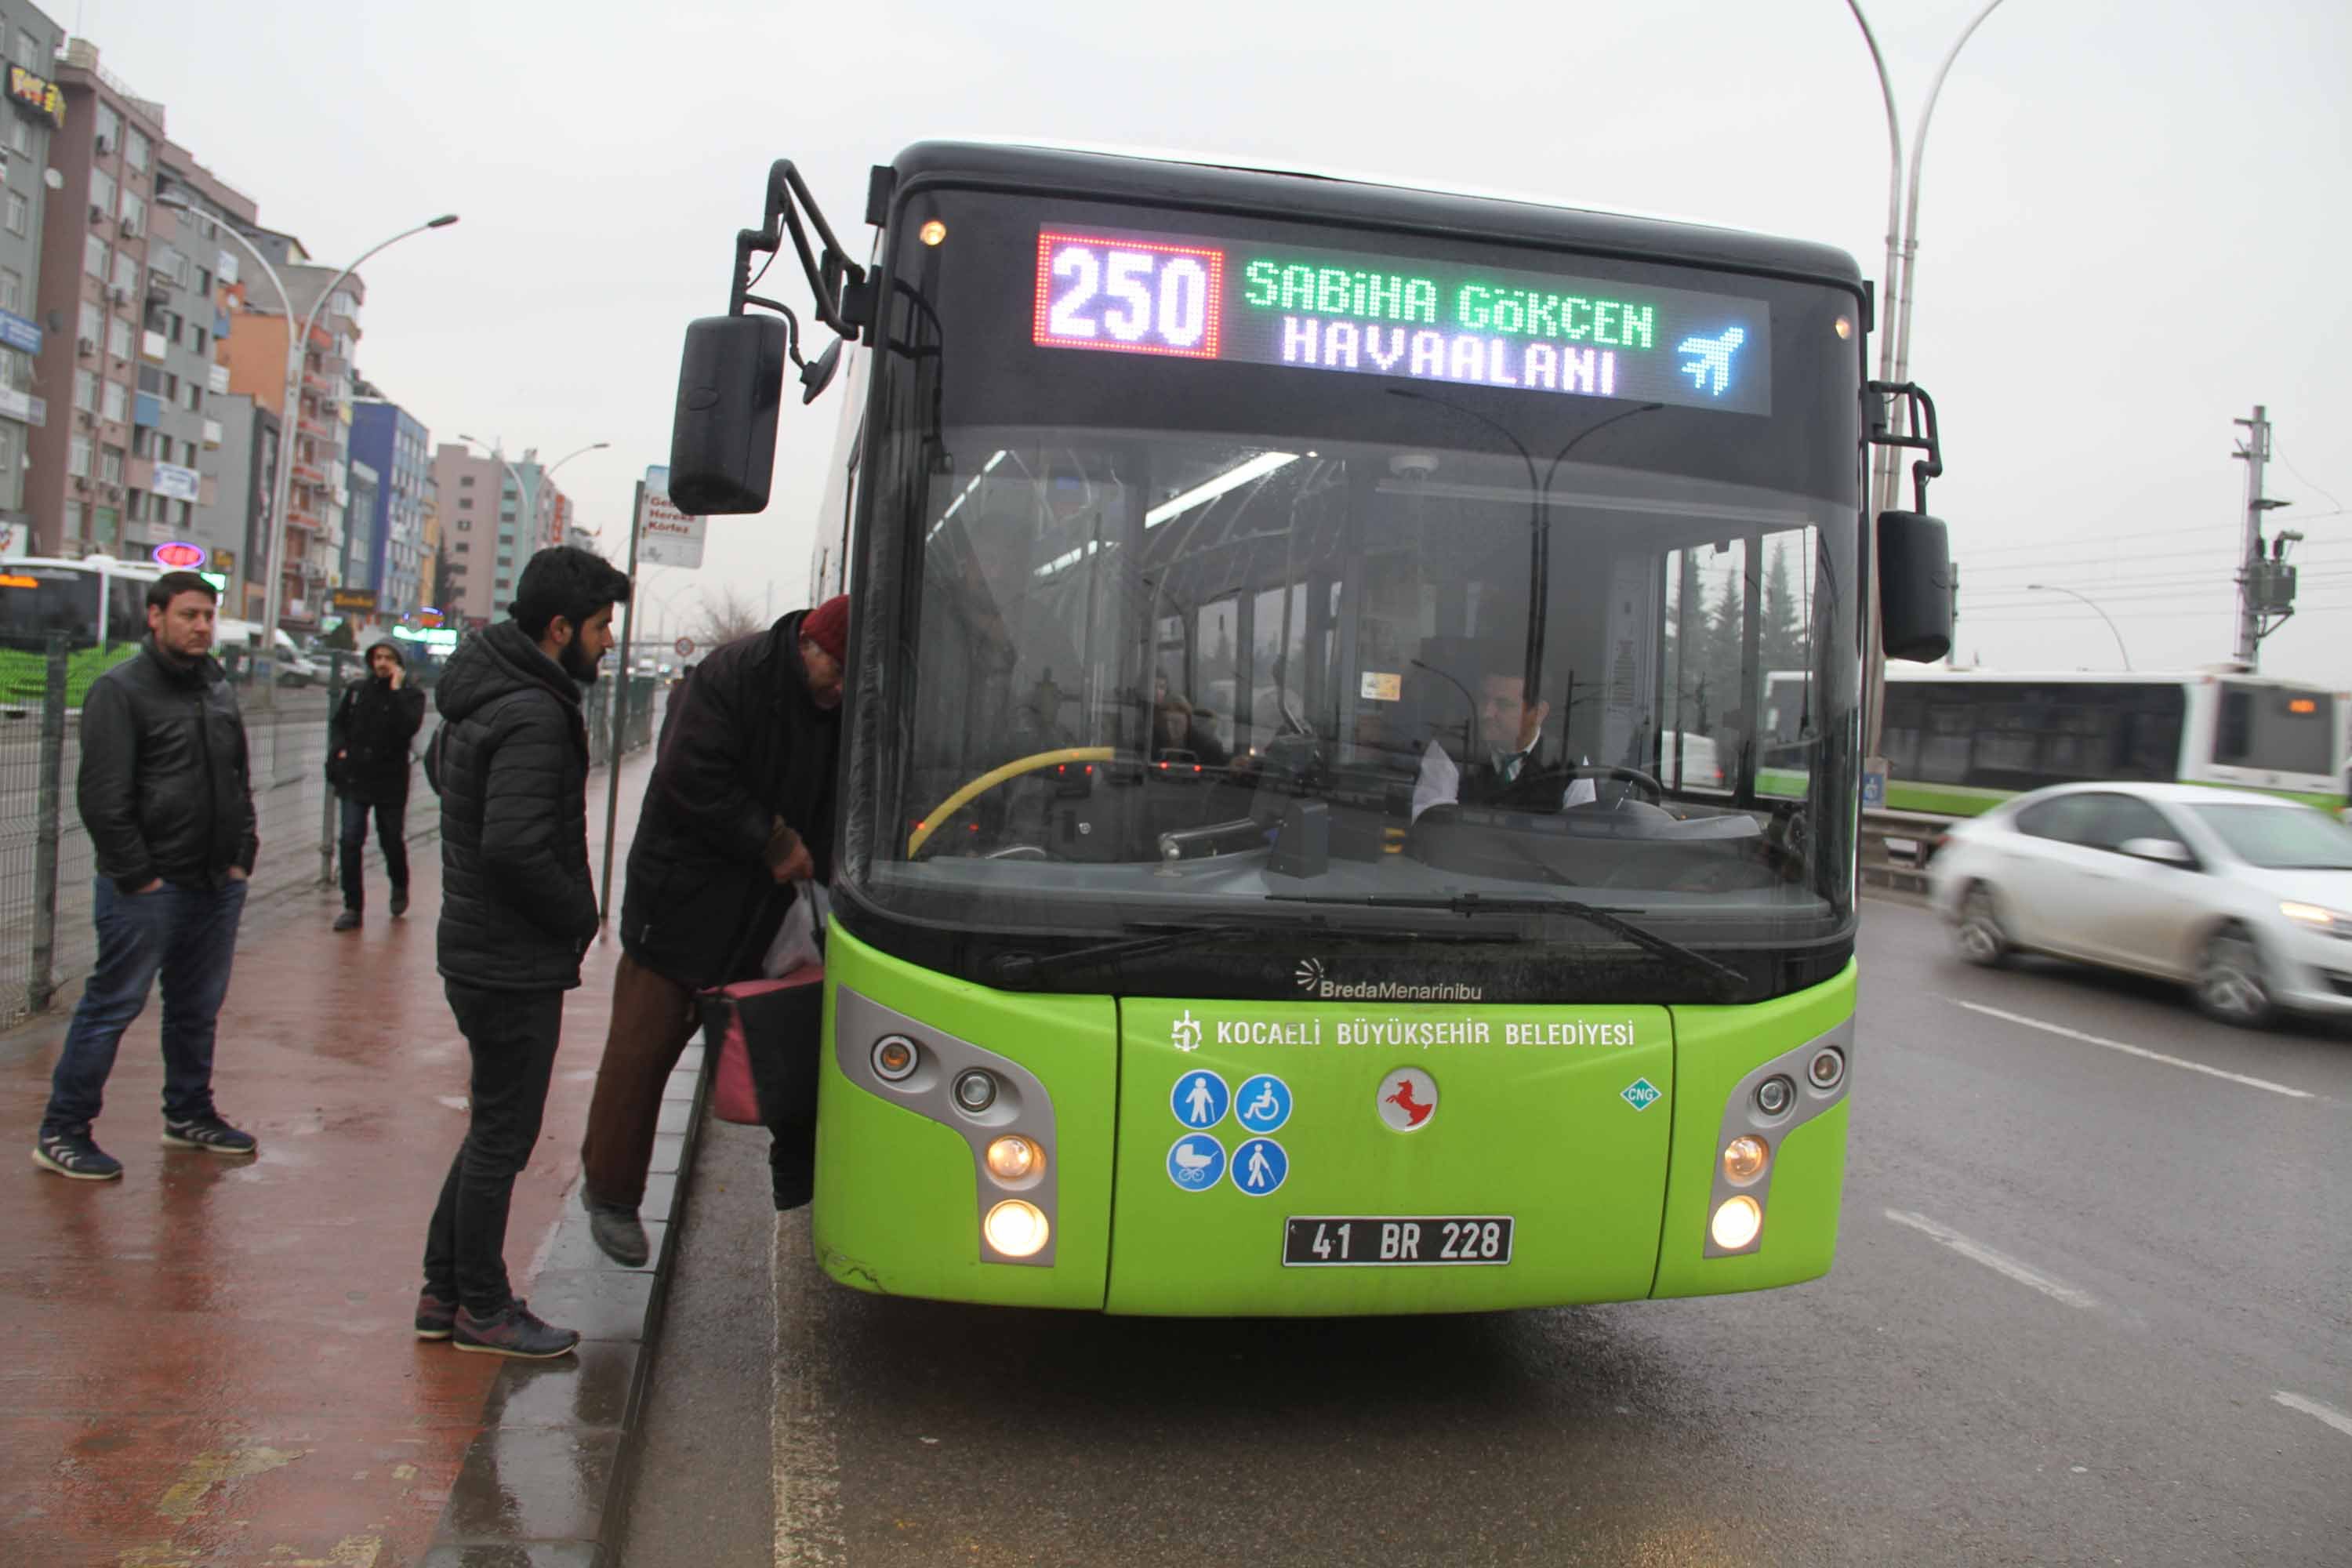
column 1896, row 846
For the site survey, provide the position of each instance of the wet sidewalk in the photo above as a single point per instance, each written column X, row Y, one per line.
column 211, row 1361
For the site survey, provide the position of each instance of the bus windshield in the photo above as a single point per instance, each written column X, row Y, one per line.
column 1181, row 642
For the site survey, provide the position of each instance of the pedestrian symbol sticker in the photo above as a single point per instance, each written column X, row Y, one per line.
column 1641, row 1094
column 1259, row 1166
column 1262, row 1105
column 1200, row 1098
column 1196, row 1162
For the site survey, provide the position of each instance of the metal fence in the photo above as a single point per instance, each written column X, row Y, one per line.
column 47, row 941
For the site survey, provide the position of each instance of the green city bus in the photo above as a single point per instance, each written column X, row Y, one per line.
column 1275, row 596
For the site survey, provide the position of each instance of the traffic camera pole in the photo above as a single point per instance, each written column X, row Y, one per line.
column 620, row 714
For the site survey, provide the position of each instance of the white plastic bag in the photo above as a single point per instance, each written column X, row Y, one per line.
column 799, row 940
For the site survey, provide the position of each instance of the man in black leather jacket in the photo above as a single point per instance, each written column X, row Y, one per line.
column 517, row 911
column 164, row 792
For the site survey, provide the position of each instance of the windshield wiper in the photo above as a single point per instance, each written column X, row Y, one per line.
column 1609, row 919
column 1013, row 968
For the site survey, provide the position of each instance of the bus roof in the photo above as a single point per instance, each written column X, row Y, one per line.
column 1937, row 674
column 1168, row 179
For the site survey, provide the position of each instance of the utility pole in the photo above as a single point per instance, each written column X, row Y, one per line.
column 2265, row 587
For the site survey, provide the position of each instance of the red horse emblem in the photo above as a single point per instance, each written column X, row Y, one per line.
column 1414, row 1111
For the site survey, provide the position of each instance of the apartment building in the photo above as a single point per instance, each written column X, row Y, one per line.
column 233, row 526
column 495, row 514
column 37, row 107
column 395, row 444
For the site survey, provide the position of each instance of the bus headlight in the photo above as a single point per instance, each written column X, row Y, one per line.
column 1015, row 1228
column 1828, row 1068
column 1743, row 1159
column 1773, row 1095
column 1735, row 1226
column 894, row 1058
column 1013, row 1158
column 975, row 1090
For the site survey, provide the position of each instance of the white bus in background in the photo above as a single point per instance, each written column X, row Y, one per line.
column 1958, row 741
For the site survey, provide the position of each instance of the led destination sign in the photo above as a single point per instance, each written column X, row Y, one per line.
column 1188, row 298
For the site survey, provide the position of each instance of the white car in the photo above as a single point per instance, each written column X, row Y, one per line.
column 2245, row 898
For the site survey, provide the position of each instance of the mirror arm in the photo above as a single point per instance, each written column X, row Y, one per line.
column 1923, row 416
column 829, row 272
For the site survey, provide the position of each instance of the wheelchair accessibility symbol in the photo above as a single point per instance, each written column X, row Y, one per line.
column 1263, row 1103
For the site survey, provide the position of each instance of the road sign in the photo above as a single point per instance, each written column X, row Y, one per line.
column 683, row 646
column 667, row 536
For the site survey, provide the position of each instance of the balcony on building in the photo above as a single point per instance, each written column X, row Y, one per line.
column 152, row 345
column 146, row 409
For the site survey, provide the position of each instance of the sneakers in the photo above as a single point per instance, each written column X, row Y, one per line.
column 348, row 920
column 209, row 1133
column 436, row 1319
column 399, row 901
column 618, row 1231
column 516, row 1331
column 74, row 1155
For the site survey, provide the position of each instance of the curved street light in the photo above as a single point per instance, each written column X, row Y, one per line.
column 530, row 495
column 2055, row 588
column 298, row 343
column 1894, row 346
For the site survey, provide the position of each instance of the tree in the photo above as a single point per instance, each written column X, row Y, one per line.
column 1784, row 636
column 726, row 615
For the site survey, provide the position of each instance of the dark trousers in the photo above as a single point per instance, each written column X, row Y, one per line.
column 391, row 834
column 512, row 1035
column 187, row 936
column 654, row 1017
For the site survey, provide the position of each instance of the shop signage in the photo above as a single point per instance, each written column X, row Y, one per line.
column 179, row 483
column 180, row 556
column 37, row 93
column 20, row 333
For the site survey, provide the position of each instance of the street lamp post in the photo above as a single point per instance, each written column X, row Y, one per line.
column 1895, row 345
column 529, row 498
column 297, row 342
column 2055, row 588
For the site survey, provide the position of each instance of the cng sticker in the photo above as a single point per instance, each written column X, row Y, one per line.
column 1195, row 1162
column 1641, row 1094
column 1260, row 1165
column 1198, row 1098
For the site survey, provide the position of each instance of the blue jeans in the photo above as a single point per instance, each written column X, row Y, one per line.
column 187, row 935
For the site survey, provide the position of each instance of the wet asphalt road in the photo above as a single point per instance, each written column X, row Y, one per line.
column 2089, row 1307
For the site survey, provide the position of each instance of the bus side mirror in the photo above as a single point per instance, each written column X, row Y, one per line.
column 1914, row 586
column 723, row 442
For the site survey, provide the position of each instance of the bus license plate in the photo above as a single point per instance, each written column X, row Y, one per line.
column 1326, row 1240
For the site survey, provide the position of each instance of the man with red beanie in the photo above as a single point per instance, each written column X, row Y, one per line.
column 740, row 809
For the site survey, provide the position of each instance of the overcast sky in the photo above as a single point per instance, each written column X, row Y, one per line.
column 2133, row 227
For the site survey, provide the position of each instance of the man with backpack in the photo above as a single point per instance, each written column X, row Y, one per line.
column 367, row 749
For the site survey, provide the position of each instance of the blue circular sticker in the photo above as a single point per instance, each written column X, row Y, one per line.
column 1198, row 1098
column 1260, row 1166
column 1195, row 1162
column 1262, row 1105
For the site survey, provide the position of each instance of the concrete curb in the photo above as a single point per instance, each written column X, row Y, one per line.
column 545, row 1482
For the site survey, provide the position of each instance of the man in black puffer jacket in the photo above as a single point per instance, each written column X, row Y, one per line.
column 517, row 911
column 166, row 796
column 367, row 752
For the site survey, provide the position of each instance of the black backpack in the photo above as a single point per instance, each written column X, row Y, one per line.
column 432, row 757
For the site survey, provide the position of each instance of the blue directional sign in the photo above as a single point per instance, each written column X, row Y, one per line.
column 1198, row 1098
column 1195, row 1162
column 1260, row 1166
column 1263, row 1104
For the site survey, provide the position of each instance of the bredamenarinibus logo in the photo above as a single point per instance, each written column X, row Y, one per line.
column 1310, row 974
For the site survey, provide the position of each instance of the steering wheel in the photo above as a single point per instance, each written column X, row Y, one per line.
column 1633, row 776
column 990, row 780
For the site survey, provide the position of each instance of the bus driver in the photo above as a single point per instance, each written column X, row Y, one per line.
column 1509, row 728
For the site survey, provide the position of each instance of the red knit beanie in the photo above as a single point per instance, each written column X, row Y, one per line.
column 827, row 625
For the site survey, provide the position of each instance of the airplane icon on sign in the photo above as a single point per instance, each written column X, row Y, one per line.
column 1713, row 361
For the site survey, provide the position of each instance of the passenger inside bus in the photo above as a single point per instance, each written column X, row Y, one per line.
column 1179, row 732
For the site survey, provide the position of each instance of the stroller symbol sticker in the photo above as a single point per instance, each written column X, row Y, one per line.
column 1196, row 1162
